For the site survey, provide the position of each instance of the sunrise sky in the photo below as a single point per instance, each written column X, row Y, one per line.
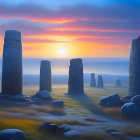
column 72, row 28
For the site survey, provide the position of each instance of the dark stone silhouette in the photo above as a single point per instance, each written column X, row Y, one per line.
column 92, row 80
column 76, row 82
column 45, row 76
column 118, row 83
column 134, row 68
column 100, row 83
column 12, row 63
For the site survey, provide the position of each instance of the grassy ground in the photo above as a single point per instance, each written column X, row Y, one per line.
column 81, row 106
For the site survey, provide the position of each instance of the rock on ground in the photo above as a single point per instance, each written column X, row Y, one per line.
column 12, row 134
column 63, row 128
column 110, row 130
column 130, row 110
column 136, row 100
column 72, row 134
column 58, row 103
column 49, row 127
column 43, row 95
column 112, row 100
column 19, row 99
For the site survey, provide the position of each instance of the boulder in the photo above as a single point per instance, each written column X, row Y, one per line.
column 63, row 128
column 52, row 128
column 49, row 127
column 12, row 134
column 43, row 95
column 44, row 125
column 136, row 100
column 112, row 100
column 72, row 134
column 130, row 110
column 58, row 103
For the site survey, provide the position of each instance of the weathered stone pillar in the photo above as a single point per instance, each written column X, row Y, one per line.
column 100, row 83
column 134, row 68
column 12, row 63
column 118, row 83
column 92, row 80
column 76, row 81
column 45, row 76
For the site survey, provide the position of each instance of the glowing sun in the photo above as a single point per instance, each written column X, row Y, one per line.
column 62, row 51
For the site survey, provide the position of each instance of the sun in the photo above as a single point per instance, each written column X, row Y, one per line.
column 62, row 51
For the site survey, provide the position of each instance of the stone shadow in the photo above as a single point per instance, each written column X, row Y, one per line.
column 85, row 101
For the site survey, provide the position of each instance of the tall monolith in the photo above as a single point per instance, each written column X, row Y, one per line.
column 92, row 80
column 118, row 83
column 12, row 63
column 100, row 83
column 76, row 81
column 134, row 68
column 45, row 76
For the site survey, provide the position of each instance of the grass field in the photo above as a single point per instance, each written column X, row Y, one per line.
column 29, row 118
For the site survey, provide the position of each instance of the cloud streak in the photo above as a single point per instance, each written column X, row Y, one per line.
column 112, row 24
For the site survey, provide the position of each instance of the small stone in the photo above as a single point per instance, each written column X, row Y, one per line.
column 12, row 134
column 43, row 95
column 63, row 128
column 109, row 130
column 58, row 103
column 44, row 125
column 72, row 134
column 48, row 126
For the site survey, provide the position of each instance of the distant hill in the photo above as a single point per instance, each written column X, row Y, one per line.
column 63, row 79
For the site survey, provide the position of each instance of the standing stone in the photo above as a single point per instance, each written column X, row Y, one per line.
column 45, row 76
column 100, row 83
column 12, row 63
column 76, row 82
column 92, row 80
column 134, row 68
column 118, row 83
